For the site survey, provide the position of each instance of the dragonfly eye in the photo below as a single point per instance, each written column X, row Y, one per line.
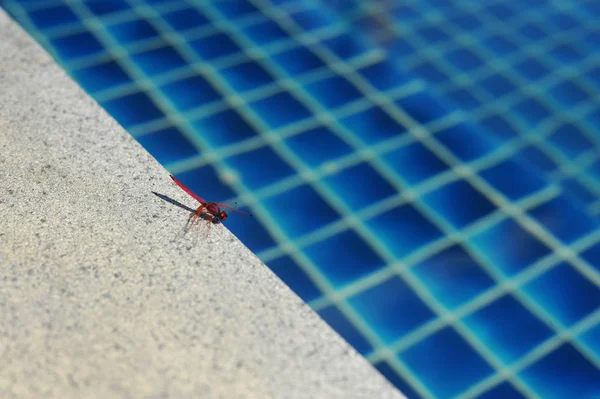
column 222, row 215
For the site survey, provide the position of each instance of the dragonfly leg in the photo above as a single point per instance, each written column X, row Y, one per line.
column 194, row 217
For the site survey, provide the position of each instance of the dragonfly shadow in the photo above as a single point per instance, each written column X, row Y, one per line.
column 172, row 201
column 180, row 205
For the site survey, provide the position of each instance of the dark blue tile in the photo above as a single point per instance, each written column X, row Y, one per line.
column 246, row 76
column 446, row 364
column 132, row 31
column 532, row 155
column 464, row 99
column 215, row 46
column 565, row 294
column 345, row 46
column 334, row 91
column 568, row 94
column 430, row 73
column 103, row 7
column 499, row 128
column 502, row 391
column 400, row 48
column 508, row 247
column 564, row 220
column 190, row 92
column 532, row 69
column 300, row 211
column 422, row 107
column 432, row 34
column 507, row 329
column 295, row 277
column 593, row 170
column 75, row 46
column 453, row 277
column 591, row 338
column 298, row 60
column 570, row 140
column 464, row 59
column 168, row 145
column 160, row 60
column 498, row 85
column 563, row 21
column 403, row 230
column 101, row 76
column 384, row 75
column 500, row 45
column 593, row 117
column 459, row 203
column 592, row 256
column 384, row 307
column 312, row 19
column 567, row 53
column 532, row 32
column 317, row 146
column 223, row 128
column 235, row 8
column 205, row 182
column 280, row 110
column 404, row 11
column 466, row 21
column 346, row 329
column 592, row 41
column 501, row 11
column 465, row 141
column 561, row 373
column 360, row 186
column 578, row 191
column 260, row 167
column 373, row 125
column 344, row 258
column 265, row 32
column 415, row 163
column 250, row 230
column 132, row 109
column 532, row 111
column 46, row 18
column 397, row 380
column 514, row 180
column 593, row 76
column 187, row 18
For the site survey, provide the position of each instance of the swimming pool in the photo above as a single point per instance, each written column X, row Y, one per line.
column 423, row 176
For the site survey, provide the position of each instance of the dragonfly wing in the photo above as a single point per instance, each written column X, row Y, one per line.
column 187, row 190
column 222, row 205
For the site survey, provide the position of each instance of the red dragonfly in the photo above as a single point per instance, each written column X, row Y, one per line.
column 211, row 209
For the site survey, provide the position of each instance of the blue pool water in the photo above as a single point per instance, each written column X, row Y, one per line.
column 425, row 174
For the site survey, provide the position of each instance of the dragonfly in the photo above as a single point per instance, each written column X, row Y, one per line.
column 212, row 210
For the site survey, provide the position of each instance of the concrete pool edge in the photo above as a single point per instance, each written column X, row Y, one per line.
column 102, row 297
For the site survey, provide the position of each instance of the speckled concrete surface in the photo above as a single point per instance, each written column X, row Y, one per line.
column 100, row 298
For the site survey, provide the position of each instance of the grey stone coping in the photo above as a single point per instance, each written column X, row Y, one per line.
column 101, row 297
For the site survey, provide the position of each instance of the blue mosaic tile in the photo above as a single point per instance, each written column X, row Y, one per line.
column 565, row 294
column 576, row 373
column 375, row 187
column 508, row 329
column 403, row 230
column 346, row 329
column 384, row 308
column 453, row 277
column 434, row 360
column 509, row 247
column 295, row 277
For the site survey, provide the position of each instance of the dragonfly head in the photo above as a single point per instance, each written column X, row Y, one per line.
column 222, row 216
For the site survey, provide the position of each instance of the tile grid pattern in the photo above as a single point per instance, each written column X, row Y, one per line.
column 440, row 320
